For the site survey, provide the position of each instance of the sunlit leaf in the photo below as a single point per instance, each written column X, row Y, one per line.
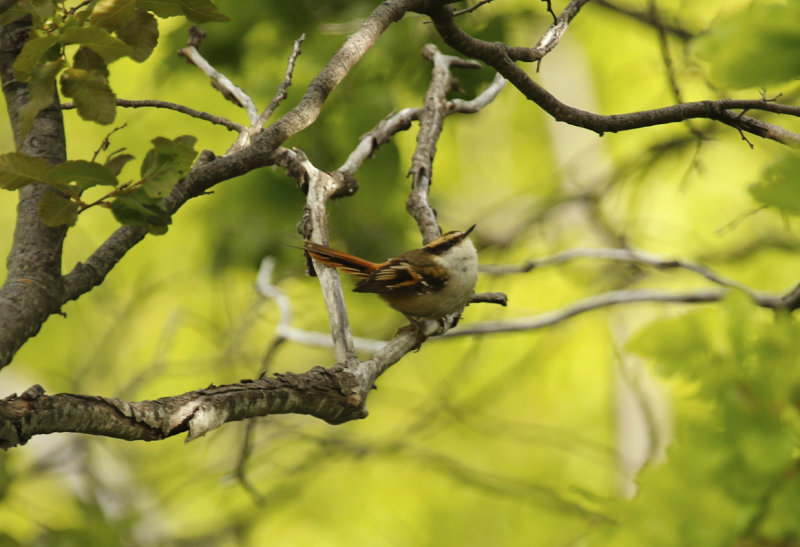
column 201, row 11
column 86, row 59
column 93, row 98
column 41, row 93
column 82, row 174
column 141, row 33
column 57, row 210
column 166, row 163
column 17, row 169
column 31, row 54
column 780, row 186
column 112, row 14
column 99, row 40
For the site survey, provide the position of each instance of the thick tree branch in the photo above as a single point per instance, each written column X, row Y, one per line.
column 33, row 288
column 324, row 393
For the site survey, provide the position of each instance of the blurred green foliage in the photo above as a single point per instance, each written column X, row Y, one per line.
column 638, row 425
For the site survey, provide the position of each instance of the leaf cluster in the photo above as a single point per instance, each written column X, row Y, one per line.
column 134, row 203
column 103, row 31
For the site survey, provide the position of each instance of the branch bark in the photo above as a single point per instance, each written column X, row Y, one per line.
column 502, row 58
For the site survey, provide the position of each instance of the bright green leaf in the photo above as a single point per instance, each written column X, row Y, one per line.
column 201, row 11
column 86, row 59
column 756, row 47
column 137, row 210
column 112, row 14
column 780, row 186
column 116, row 163
column 93, row 98
column 99, row 40
column 141, row 33
column 17, row 170
column 166, row 163
column 83, row 174
column 31, row 54
column 41, row 93
column 57, row 210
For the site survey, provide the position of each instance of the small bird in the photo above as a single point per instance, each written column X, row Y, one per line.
column 426, row 283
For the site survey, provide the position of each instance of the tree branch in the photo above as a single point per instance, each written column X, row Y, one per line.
column 501, row 57
column 32, row 290
column 218, row 120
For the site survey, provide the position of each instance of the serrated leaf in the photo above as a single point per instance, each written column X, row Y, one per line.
column 79, row 175
column 86, row 59
column 57, row 210
column 166, row 163
column 201, row 11
column 31, row 55
column 116, row 163
column 141, row 33
column 41, row 93
column 17, row 170
column 112, row 14
column 93, row 98
column 780, row 185
column 99, row 40
column 161, row 8
column 136, row 210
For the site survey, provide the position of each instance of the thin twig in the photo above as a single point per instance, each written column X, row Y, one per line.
column 603, row 300
column 625, row 255
column 281, row 94
column 221, row 82
column 126, row 103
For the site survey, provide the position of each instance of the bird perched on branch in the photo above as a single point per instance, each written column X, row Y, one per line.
column 426, row 283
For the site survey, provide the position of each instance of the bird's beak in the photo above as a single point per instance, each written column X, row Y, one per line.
column 470, row 229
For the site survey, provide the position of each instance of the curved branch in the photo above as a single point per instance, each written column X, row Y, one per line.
column 126, row 103
column 501, row 57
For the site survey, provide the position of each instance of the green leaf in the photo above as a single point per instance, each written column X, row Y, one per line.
column 758, row 46
column 17, row 170
column 57, row 210
column 116, row 163
column 166, row 163
column 31, row 54
column 162, row 8
column 78, row 175
column 112, row 14
column 86, row 59
column 141, row 33
column 99, row 40
column 137, row 209
column 201, row 11
column 780, row 186
column 93, row 98
column 41, row 93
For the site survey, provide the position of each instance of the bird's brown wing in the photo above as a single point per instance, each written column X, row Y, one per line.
column 398, row 276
